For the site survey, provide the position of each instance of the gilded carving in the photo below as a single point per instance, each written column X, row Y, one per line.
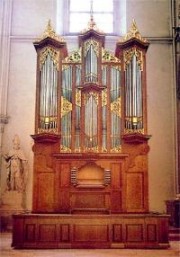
column 104, row 97
column 89, row 94
column 50, row 131
column 128, row 55
column 133, row 33
column 117, row 149
column 53, row 54
column 74, row 57
column 95, row 45
column 130, row 131
column 65, row 149
column 50, row 32
column 92, row 26
column 116, row 107
column 78, row 97
column 66, row 106
column 109, row 57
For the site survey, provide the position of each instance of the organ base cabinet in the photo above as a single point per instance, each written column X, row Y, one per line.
column 90, row 231
column 90, row 174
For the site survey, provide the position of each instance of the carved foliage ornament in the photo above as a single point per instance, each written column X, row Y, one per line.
column 109, row 57
column 116, row 107
column 66, row 106
column 74, row 57
column 95, row 45
column 128, row 55
column 53, row 54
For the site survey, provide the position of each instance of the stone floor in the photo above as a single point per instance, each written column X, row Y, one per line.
column 7, row 251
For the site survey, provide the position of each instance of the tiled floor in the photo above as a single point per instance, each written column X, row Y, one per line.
column 7, row 251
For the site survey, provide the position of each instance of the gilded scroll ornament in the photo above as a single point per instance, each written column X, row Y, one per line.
column 128, row 55
column 95, row 45
column 104, row 97
column 78, row 97
column 66, row 106
column 117, row 149
column 116, row 107
column 109, row 57
column 74, row 57
column 53, row 54
column 131, row 131
column 133, row 33
column 89, row 94
column 65, row 149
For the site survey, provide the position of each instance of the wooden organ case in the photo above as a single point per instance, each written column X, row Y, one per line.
column 91, row 148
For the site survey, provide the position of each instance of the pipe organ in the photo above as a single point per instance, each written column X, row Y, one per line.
column 90, row 186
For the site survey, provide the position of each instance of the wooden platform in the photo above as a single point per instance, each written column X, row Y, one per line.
column 90, row 231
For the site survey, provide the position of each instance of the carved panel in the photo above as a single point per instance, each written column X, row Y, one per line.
column 65, row 233
column 30, row 232
column 65, row 175
column 134, row 232
column 47, row 232
column 151, row 232
column 116, row 179
column 91, row 233
column 134, row 195
column 117, row 233
column 88, row 200
column 45, row 196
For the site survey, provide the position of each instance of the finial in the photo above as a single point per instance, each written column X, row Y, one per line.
column 92, row 24
column 133, row 33
column 50, row 32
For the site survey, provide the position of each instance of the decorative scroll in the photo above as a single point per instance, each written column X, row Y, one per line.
column 116, row 107
column 75, row 57
column 78, row 97
column 104, row 97
column 91, row 94
column 128, row 55
column 52, row 53
column 109, row 57
column 66, row 106
column 92, row 43
column 117, row 149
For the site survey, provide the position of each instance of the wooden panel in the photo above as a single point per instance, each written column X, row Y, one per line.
column 116, row 180
column 134, row 232
column 89, row 200
column 45, row 196
column 64, row 200
column 30, row 232
column 116, row 201
column 135, row 193
column 117, row 233
column 47, row 232
column 65, row 175
column 151, row 232
column 90, row 233
column 65, row 233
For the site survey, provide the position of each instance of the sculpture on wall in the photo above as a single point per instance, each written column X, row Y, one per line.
column 16, row 167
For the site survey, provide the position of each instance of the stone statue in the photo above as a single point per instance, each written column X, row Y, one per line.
column 16, row 167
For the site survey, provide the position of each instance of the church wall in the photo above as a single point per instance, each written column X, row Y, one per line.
column 29, row 19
